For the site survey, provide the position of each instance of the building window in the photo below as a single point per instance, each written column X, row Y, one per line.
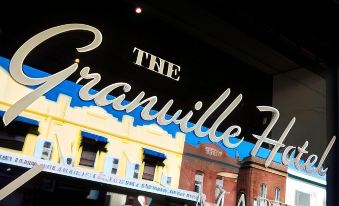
column 136, row 171
column 13, row 135
column 219, row 185
column 91, row 145
column 262, row 196
column 169, row 180
column 165, row 180
column 149, row 170
column 15, row 143
column 277, row 194
column 152, row 159
column 263, row 191
column 198, row 182
column 302, row 198
column 115, row 166
column 241, row 201
column 46, row 150
column 88, row 157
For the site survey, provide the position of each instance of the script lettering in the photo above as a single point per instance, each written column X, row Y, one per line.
column 103, row 98
column 47, row 83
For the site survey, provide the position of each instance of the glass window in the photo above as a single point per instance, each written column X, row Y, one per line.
column 136, row 171
column 87, row 157
column 198, row 181
column 15, row 143
column 169, row 180
column 262, row 196
column 241, row 201
column 219, row 185
column 302, row 198
column 277, row 194
column 115, row 166
column 46, row 150
column 13, row 136
column 263, row 191
column 149, row 171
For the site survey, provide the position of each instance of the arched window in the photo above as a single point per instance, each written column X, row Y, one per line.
column 219, row 185
column 219, row 191
column 198, row 181
column 263, row 191
column 262, row 195
column 241, row 201
column 277, row 194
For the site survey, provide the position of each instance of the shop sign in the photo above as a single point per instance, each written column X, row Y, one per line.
column 213, row 152
column 156, row 64
column 45, row 84
column 135, row 184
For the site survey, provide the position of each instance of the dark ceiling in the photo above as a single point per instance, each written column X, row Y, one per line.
column 218, row 44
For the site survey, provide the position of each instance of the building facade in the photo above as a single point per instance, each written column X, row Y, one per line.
column 139, row 164
column 221, row 180
column 305, row 190
column 262, row 186
column 91, row 144
column 208, row 170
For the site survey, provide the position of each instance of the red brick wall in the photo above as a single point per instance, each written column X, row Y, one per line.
column 250, row 178
column 210, row 167
column 250, row 175
column 230, row 184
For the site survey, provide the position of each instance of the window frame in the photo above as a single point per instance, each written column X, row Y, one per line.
column 146, row 176
column 277, row 198
column 217, row 190
column 115, row 166
column 13, row 136
column 85, row 149
column 200, row 185
column 263, row 191
column 302, row 193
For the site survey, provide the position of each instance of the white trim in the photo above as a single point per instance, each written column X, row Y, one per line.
column 86, row 174
column 304, row 176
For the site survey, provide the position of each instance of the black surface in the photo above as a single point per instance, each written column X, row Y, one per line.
column 304, row 31
column 205, row 71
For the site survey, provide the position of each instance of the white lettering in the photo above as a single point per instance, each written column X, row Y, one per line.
column 157, row 64
column 47, row 83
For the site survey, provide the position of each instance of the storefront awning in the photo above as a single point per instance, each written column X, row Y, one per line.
column 23, row 119
column 94, row 137
column 155, row 154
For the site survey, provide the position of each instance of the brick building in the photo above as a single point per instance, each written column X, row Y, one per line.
column 261, row 185
column 208, row 166
column 208, row 170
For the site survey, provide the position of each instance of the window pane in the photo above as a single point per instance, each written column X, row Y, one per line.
column 136, row 171
column 87, row 158
column 149, row 170
column 13, row 135
column 219, row 184
column 115, row 165
column 198, row 181
column 302, row 199
column 169, row 180
column 196, row 188
column 263, row 191
column 277, row 194
column 114, row 171
column 15, row 143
